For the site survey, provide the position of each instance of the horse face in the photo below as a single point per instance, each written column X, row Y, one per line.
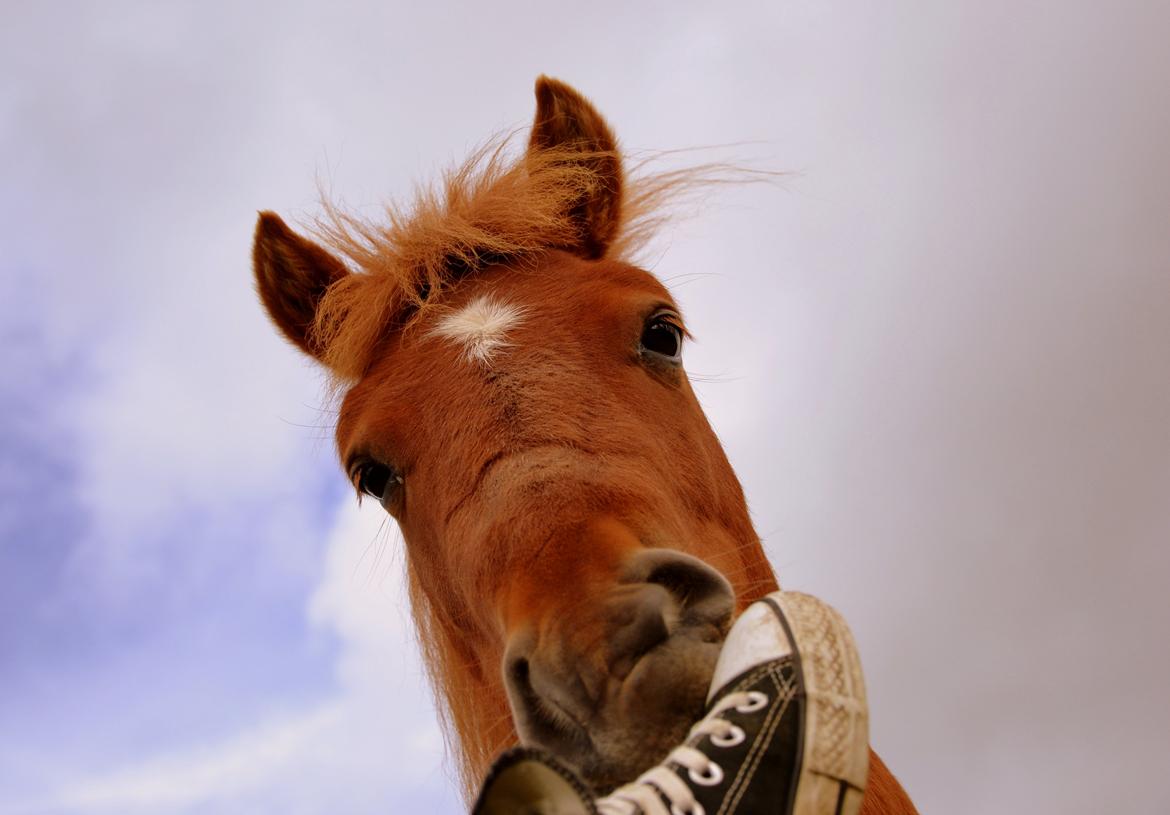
column 563, row 501
column 573, row 528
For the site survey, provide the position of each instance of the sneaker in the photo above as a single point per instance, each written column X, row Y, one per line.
column 529, row 781
column 785, row 733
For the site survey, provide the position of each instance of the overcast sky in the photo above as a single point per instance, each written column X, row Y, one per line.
column 938, row 354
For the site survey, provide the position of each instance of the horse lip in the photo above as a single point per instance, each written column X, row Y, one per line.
column 555, row 717
column 547, row 704
column 561, row 725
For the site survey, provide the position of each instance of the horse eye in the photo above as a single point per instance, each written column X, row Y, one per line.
column 662, row 337
column 377, row 481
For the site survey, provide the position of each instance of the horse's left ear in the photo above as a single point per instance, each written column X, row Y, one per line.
column 292, row 275
column 566, row 120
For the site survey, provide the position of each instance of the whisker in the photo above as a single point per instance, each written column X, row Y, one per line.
column 713, row 379
column 683, row 278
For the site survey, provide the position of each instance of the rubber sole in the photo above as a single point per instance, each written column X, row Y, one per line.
column 835, row 760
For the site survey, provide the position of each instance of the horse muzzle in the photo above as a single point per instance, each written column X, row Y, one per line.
column 611, row 681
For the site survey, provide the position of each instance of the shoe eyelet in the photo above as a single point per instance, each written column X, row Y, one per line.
column 711, row 775
column 733, row 737
column 696, row 809
column 756, row 701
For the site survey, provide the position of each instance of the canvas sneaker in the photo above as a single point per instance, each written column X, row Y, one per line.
column 785, row 733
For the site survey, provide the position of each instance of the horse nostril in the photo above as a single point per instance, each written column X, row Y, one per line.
column 638, row 623
column 518, row 670
column 684, row 581
column 516, row 667
column 702, row 594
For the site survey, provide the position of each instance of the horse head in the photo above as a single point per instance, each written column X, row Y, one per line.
column 514, row 396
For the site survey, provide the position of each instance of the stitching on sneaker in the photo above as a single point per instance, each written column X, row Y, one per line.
column 786, row 692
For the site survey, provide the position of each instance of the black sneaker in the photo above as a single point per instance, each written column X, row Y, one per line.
column 529, row 781
column 785, row 733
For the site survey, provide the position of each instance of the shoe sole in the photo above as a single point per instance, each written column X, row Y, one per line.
column 835, row 758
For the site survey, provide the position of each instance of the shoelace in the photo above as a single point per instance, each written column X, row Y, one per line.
column 646, row 793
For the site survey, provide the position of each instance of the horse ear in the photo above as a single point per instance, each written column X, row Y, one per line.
column 567, row 120
column 292, row 274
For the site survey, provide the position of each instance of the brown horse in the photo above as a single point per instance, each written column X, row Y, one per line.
column 513, row 394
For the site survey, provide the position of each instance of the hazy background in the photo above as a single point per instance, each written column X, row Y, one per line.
column 939, row 356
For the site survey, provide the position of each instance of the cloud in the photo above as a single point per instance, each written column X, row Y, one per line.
column 372, row 746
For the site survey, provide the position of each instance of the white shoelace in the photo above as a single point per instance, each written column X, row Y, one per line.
column 646, row 793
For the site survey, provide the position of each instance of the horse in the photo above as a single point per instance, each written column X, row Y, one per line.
column 511, row 391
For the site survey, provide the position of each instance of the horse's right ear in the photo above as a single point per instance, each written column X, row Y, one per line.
column 292, row 275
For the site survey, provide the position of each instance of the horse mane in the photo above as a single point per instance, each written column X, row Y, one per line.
column 493, row 208
column 465, row 694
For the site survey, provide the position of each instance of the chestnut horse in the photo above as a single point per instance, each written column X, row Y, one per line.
column 513, row 395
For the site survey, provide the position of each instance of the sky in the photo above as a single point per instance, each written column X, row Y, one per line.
column 935, row 350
